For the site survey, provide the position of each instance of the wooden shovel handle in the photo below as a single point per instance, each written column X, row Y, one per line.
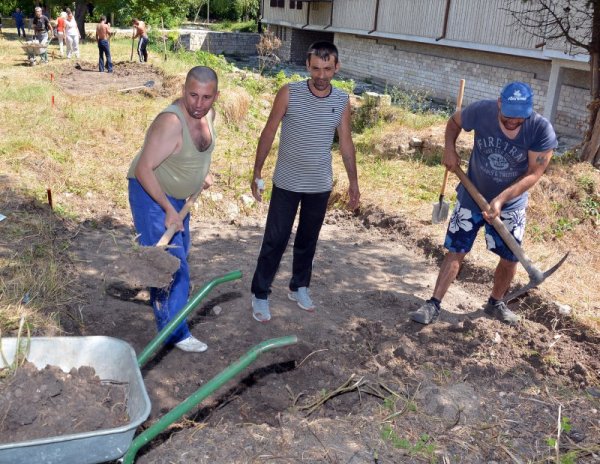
column 532, row 270
column 459, row 100
column 461, row 92
column 172, row 229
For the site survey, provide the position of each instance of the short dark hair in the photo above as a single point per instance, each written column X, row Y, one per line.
column 323, row 50
column 102, row 18
column 203, row 74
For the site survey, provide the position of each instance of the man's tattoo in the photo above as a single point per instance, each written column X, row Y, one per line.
column 541, row 159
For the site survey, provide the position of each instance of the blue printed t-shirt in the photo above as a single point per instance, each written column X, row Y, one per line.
column 497, row 161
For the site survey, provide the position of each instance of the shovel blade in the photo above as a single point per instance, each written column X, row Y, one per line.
column 440, row 212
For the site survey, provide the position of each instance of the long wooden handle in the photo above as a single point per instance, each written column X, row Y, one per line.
column 172, row 229
column 461, row 92
column 459, row 99
column 532, row 270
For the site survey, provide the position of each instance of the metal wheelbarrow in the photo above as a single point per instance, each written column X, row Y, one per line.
column 35, row 49
column 115, row 359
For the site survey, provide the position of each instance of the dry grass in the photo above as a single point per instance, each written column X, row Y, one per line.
column 82, row 148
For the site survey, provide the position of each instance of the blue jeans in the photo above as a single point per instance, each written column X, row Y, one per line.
column 104, row 50
column 20, row 28
column 142, row 51
column 280, row 219
column 149, row 220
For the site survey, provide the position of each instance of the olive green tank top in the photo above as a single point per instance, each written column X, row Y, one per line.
column 182, row 174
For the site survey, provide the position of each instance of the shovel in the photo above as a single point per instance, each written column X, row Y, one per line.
column 536, row 276
column 440, row 209
column 151, row 266
column 148, row 85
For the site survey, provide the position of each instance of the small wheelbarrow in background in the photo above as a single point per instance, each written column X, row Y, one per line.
column 114, row 359
column 35, row 49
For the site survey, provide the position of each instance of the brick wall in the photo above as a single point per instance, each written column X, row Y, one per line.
column 228, row 43
column 438, row 69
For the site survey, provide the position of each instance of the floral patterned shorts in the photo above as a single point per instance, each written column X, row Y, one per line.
column 464, row 225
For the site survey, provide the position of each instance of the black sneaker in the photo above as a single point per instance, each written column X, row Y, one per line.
column 501, row 312
column 426, row 314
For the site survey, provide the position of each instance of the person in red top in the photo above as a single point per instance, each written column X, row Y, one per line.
column 60, row 29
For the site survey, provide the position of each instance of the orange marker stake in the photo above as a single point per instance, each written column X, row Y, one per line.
column 52, row 100
column 51, row 77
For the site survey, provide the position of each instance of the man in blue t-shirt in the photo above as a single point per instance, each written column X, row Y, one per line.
column 512, row 148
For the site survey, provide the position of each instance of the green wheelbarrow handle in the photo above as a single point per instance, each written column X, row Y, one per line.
column 157, row 342
column 200, row 394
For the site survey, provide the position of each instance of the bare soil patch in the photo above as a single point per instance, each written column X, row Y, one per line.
column 364, row 384
column 83, row 78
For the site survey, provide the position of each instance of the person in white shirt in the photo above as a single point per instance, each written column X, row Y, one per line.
column 72, row 34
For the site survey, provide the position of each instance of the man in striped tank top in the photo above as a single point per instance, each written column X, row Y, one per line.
column 310, row 112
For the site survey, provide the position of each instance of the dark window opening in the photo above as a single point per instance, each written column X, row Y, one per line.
column 277, row 3
column 294, row 4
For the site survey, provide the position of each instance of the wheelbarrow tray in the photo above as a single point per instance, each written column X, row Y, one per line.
column 35, row 48
column 113, row 359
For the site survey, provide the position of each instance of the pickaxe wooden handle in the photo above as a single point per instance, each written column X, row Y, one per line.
column 172, row 229
column 536, row 276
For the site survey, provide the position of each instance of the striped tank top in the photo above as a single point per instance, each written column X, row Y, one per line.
column 307, row 131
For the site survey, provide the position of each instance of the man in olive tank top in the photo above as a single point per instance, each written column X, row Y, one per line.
column 172, row 165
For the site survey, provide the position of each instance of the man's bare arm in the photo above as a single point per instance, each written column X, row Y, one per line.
column 450, row 158
column 349, row 157
column 162, row 140
column 265, row 142
column 538, row 162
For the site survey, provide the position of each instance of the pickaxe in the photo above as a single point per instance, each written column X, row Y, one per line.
column 536, row 276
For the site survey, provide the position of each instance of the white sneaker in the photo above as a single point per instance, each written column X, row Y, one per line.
column 192, row 345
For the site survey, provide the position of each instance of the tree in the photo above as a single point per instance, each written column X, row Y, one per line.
column 577, row 22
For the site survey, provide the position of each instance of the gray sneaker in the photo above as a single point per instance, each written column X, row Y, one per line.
column 426, row 314
column 302, row 297
column 260, row 309
column 501, row 312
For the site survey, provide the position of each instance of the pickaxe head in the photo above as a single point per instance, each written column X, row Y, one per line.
column 535, row 280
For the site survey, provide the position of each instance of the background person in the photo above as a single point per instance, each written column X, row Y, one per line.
column 139, row 30
column 19, row 22
column 42, row 30
column 512, row 148
column 103, row 39
column 172, row 165
column 60, row 31
column 310, row 112
column 72, row 34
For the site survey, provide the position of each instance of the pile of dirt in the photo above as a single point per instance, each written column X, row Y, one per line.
column 83, row 79
column 49, row 402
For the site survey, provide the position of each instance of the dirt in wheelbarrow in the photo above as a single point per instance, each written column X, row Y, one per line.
column 41, row 403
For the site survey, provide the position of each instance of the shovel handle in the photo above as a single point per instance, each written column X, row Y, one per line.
column 461, row 92
column 459, row 100
column 172, row 229
column 444, row 182
column 534, row 273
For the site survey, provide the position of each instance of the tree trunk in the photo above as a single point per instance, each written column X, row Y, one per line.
column 591, row 142
column 591, row 146
column 81, row 10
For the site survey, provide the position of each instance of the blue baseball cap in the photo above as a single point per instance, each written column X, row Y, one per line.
column 516, row 100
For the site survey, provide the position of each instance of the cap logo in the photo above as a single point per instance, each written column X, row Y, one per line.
column 516, row 96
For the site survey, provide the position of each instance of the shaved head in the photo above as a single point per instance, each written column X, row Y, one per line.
column 202, row 75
